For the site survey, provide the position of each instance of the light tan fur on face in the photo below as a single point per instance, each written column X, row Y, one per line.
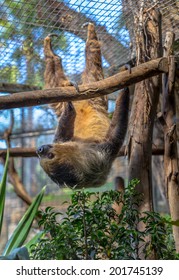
column 63, row 152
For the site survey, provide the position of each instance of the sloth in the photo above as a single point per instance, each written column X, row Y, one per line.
column 86, row 142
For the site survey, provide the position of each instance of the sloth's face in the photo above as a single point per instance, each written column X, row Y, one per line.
column 57, row 162
column 75, row 165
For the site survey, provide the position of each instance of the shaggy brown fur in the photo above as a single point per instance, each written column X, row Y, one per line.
column 91, row 121
column 85, row 143
column 54, row 75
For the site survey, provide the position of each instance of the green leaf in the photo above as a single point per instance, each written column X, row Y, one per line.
column 20, row 234
column 3, row 190
column 34, row 240
column 17, row 254
column 5, row 23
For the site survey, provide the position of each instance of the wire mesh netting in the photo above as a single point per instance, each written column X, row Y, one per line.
column 24, row 24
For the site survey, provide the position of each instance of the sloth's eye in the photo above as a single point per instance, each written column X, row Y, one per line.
column 40, row 150
column 50, row 155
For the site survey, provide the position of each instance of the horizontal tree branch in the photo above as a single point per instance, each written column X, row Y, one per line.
column 95, row 89
column 31, row 152
column 20, row 135
column 19, row 152
column 12, row 88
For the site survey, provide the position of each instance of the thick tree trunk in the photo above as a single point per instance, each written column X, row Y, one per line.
column 146, row 97
column 144, row 106
column 170, row 137
column 159, row 196
column 171, row 155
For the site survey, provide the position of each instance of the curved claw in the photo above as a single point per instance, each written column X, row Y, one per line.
column 76, row 86
column 52, row 35
column 85, row 24
column 70, row 107
column 128, row 67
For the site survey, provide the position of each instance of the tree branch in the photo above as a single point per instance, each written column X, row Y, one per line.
column 95, row 89
column 13, row 175
column 19, row 152
column 12, row 88
column 31, row 152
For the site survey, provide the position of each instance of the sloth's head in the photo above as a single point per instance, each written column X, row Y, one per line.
column 75, row 164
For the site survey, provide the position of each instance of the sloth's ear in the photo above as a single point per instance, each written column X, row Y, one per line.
column 118, row 127
column 65, row 127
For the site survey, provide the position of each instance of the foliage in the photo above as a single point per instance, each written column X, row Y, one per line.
column 92, row 229
column 17, row 254
column 9, row 73
column 160, row 231
column 21, row 232
column 3, row 191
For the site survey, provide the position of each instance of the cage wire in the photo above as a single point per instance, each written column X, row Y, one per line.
column 24, row 24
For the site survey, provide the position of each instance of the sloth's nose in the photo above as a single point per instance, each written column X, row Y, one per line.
column 43, row 149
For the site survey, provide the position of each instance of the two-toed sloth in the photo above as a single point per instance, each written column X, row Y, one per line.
column 86, row 142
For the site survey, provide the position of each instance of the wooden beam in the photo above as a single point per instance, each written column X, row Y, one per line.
column 30, row 134
column 13, row 88
column 95, row 89
column 19, row 152
column 30, row 152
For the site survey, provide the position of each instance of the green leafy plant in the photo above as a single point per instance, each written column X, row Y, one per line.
column 17, row 254
column 92, row 229
column 3, row 191
column 159, row 230
column 21, row 232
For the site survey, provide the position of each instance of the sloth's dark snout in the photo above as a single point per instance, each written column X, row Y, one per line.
column 42, row 150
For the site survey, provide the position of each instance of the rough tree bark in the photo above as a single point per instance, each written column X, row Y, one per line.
column 146, row 96
column 171, row 167
column 120, row 187
column 158, row 182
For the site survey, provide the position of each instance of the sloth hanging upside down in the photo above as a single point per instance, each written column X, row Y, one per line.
column 86, row 142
